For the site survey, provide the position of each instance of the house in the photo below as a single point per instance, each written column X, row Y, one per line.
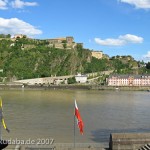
column 81, row 78
column 129, row 80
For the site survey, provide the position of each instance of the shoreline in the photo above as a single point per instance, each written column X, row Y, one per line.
column 73, row 87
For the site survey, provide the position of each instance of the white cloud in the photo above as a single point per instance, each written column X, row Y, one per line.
column 120, row 41
column 147, row 56
column 15, row 26
column 109, row 42
column 21, row 4
column 131, row 38
column 144, row 4
column 3, row 4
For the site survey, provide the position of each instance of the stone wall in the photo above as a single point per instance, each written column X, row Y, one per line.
column 128, row 141
column 97, row 54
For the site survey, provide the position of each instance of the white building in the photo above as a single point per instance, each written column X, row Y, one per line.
column 81, row 78
column 47, row 80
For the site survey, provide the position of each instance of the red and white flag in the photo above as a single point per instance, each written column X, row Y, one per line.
column 79, row 119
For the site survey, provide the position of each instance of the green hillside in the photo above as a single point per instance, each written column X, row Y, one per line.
column 27, row 58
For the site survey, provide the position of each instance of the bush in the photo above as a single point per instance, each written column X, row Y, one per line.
column 71, row 80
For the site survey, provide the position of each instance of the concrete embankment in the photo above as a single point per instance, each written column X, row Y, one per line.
column 117, row 141
column 122, row 88
column 73, row 87
column 44, row 87
column 67, row 146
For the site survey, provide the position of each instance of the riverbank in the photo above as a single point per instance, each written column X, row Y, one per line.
column 73, row 87
column 44, row 87
column 121, row 88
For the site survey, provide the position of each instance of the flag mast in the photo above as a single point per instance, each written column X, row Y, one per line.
column 3, row 143
column 79, row 121
column 74, row 126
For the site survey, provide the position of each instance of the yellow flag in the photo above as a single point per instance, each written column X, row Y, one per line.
column 1, row 102
column 3, row 122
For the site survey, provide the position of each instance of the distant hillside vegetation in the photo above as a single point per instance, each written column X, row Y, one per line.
column 26, row 58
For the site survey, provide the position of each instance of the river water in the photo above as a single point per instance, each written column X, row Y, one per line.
column 49, row 114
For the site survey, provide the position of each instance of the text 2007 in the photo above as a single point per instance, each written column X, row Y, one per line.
column 43, row 141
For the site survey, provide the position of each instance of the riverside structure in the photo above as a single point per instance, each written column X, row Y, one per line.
column 129, row 80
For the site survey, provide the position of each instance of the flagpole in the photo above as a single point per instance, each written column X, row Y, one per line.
column 1, row 119
column 74, row 127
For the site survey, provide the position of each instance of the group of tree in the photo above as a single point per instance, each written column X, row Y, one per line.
column 148, row 65
column 44, row 61
column 5, row 36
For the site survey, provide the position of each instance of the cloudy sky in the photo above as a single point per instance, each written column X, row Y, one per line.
column 116, row 27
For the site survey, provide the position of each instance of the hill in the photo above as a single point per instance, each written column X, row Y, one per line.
column 26, row 58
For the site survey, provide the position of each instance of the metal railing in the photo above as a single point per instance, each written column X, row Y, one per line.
column 68, row 146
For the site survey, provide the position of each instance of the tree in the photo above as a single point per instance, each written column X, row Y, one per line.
column 148, row 65
column 65, row 45
column 8, row 36
column 64, row 41
column 71, row 80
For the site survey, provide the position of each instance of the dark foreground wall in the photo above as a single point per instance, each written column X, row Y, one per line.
column 128, row 141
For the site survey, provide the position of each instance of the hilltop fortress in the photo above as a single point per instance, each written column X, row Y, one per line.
column 60, row 43
column 63, row 42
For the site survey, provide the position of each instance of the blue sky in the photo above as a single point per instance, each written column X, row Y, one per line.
column 116, row 27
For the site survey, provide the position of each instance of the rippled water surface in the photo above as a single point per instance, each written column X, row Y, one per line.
column 49, row 114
